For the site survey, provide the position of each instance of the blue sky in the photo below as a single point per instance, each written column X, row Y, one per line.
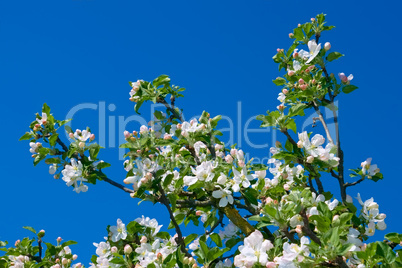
column 81, row 53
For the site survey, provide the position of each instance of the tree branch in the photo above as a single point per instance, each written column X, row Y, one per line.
column 116, row 184
column 324, row 124
column 166, row 203
column 348, row 184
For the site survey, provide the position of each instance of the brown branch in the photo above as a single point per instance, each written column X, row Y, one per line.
column 220, row 221
column 191, row 203
column 65, row 148
column 306, row 228
column 348, row 184
column 179, row 238
column 116, row 184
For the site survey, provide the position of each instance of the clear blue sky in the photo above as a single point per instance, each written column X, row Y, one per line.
column 68, row 53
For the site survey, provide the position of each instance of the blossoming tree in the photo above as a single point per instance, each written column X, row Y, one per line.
column 250, row 218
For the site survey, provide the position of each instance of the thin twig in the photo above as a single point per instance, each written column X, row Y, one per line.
column 166, row 203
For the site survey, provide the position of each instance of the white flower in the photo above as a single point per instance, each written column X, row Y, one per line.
column 203, row 172
column 241, row 179
column 281, row 97
column 34, row 147
column 52, row 169
column 43, row 120
column 102, row 249
column 119, row 231
column 151, row 223
column 253, row 251
column 370, row 229
column 345, row 79
column 225, row 197
column 314, row 50
column 296, row 220
column 82, row 135
column 291, row 251
column 369, row 169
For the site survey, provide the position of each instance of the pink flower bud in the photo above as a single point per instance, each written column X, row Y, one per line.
column 78, row 265
column 310, row 159
column 81, row 144
column 303, row 87
column 313, row 82
column 295, row 55
column 37, row 125
column 336, row 217
column 167, row 136
column 128, row 249
column 178, row 126
column 135, row 133
column 144, row 239
column 113, row 249
column 299, row 25
column 75, row 256
column 198, row 213
column 194, row 265
column 312, row 19
column 126, row 134
column 327, row 46
column 301, row 81
column 281, row 107
column 290, row 72
column 278, row 144
column 291, row 35
column 64, row 261
column 148, row 176
column 268, row 200
column 241, row 163
column 41, row 233
column 233, row 152
column 59, row 239
column 229, row 159
column 17, row 242
column 278, row 50
column 159, row 256
column 71, row 135
column 298, row 229
column 138, row 151
column 92, row 137
column 218, row 147
column 285, row 91
column 270, row 264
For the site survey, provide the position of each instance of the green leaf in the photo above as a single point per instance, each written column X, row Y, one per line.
column 349, row 88
column 102, row 165
column 168, row 180
column 138, row 106
column 68, row 129
column 292, row 125
column 386, row 252
column 68, row 243
column 297, row 109
column 279, row 81
column 251, row 196
column 26, row 136
column 190, row 238
column 333, row 56
column 217, row 239
column 46, row 109
column 30, row 229
column 53, row 139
